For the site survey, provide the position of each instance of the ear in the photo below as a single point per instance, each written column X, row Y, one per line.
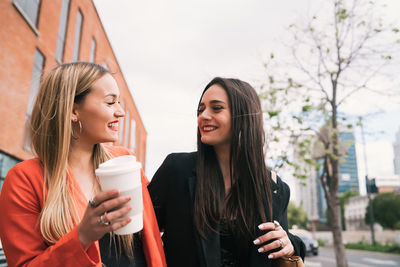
column 75, row 113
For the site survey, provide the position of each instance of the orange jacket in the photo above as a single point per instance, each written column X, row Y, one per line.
column 21, row 201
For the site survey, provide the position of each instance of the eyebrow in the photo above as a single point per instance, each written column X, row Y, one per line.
column 113, row 95
column 213, row 102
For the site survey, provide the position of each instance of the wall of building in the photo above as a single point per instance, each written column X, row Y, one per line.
column 381, row 236
column 354, row 213
column 20, row 39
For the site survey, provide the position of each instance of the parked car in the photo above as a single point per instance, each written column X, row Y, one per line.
column 311, row 243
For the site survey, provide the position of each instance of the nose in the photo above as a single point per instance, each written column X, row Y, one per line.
column 205, row 115
column 119, row 112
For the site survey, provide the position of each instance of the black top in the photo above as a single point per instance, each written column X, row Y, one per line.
column 111, row 258
column 172, row 192
column 228, row 250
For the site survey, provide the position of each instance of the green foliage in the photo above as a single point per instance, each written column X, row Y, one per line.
column 393, row 248
column 386, row 208
column 321, row 242
column 342, row 14
column 306, row 108
column 273, row 113
column 297, row 216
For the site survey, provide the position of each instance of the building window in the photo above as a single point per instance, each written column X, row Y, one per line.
column 38, row 65
column 127, row 120
column 133, row 136
column 78, row 33
column 6, row 163
column 93, row 51
column 62, row 29
column 29, row 9
column 121, row 125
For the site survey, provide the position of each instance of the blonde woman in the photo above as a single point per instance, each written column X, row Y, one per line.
column 54, row 213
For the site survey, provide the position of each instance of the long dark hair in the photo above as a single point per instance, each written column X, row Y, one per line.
column 250, row 186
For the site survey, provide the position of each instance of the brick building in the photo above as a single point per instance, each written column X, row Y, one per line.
column 35, row 36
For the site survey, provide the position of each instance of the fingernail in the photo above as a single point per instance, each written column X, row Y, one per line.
column 256, row 242
column 270, row 256
column 261, row 226
column 260, row 249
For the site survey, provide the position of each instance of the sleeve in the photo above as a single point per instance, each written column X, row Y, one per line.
column 22, row 241
column 297, row 243
column 152, row 245
column 299, row 247
column 158, row 189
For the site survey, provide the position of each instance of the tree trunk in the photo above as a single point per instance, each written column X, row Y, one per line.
column 340, row 252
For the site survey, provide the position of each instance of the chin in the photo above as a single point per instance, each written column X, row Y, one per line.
column 109, row 140
column 207, row 141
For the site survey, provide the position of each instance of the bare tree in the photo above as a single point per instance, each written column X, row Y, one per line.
column 333, row 57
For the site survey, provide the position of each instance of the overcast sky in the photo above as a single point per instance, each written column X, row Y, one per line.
column 169, row 51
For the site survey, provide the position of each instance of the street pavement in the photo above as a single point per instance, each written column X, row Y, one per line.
column 355, row 258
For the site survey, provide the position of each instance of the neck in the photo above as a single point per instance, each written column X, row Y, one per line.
column 80, row 155
column 80, row 160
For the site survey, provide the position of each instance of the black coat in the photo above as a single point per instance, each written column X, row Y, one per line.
column 172, row 193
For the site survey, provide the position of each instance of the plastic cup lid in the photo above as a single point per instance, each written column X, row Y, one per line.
column 117, row 165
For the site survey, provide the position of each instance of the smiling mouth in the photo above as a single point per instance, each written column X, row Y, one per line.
column 208, row 128
column 113, row 125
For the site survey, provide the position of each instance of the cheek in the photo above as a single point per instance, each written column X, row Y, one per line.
column 198, row 121
column 96, row 120
column 227, row 123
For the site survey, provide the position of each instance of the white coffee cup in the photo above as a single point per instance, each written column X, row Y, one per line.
column 123, row 173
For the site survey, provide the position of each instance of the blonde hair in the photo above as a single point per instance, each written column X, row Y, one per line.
column 51, row 131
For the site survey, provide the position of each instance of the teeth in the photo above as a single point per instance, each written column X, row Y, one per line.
column 208, row 128
column 113, row 125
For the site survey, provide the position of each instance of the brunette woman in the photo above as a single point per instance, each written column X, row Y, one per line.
column 220, row 206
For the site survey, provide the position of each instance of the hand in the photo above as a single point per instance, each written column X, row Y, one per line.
column 280, row 237
column 100, row 215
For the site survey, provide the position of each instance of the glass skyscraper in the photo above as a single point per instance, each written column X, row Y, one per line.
column 348, row 169
column 348, row 172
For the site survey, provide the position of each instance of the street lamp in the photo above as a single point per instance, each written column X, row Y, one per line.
column 368, row 185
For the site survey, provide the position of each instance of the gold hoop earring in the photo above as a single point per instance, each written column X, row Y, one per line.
column 80, row 130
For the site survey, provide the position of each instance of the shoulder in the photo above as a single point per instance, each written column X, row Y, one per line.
column 280, row 186
column 30, row 167
column 25, row 178
column 116, row 151
column 180, row 162
column 177, row 165
column 283, row 185
column 183, row 157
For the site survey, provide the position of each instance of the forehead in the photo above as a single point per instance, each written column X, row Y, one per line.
column 215, row 92
column 106, row 85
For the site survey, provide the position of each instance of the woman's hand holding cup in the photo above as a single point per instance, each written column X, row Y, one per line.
column 101, row 214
